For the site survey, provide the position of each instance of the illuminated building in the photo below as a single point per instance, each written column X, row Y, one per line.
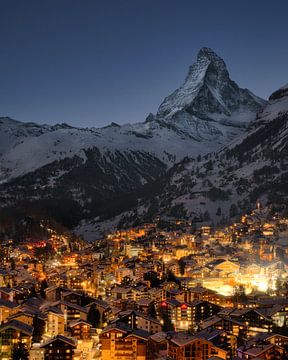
column 144, row 304
column 70, row 260
column 264, row 346
column 225, row 266
column 80, row 329
column 138, row 320
column 225, row 323
column 55, row 324
column 131, row 250
column 157, row 346
column 122, row 293
column 279, row 314
column 119, row 342
column 7, row 308
column 7, row 294
column 72, row 311
column 72, row 297
column 23, row 316
column 59, row 347
column 75, row 282
column 155, row 294
column 5, row 277
column 256, row 320
column 183, row 346
column 122, row 272
column 11, row 334
column 52, row 293
column 186, row 315
column 36, row 353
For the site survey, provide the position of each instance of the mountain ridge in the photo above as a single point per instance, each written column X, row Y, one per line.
column 93, row 169
column 252, row 168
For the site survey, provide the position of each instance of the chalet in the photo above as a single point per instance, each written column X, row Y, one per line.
column 185, row 315
column 80, row 329
column 72, row 297
column 157, row 346
column 226, row 323
column 139, row 320
column 119, row 341
column 144, row 304
column 122, row 293
column 60, row 347
column 7, row 294
column 12, row 333
column 183, row 346
column 55, row 324
column 256, row 320
column 72, row 311
column 5, row 278
column 262, row 347
column 7, row 309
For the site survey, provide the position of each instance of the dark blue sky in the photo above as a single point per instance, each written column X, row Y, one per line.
column 91, row 62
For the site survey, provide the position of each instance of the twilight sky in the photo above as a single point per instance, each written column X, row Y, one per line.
column 91, row 62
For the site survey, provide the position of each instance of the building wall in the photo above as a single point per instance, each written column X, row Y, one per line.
column 8, row 339
column 5, row 313
column 55, row 324
column 58, row 350
column 117, row 346
column 196, row 350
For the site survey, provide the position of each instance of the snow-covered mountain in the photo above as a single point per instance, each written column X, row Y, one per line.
column 209, row 95
column 222, row 184
column 207, row 111
column 99, row 171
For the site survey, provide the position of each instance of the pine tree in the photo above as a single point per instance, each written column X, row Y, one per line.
column 152, row 311
column 167, row 323
column 206, row 216
column 219, row 211
column 39, row 329
column 93, row 316
column 233, row 210
column 43, row 287
column 20, row 352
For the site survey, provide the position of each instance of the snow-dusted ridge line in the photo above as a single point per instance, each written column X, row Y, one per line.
column 204, row 114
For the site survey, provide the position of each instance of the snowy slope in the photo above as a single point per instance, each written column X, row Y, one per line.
column 79, row 174
column 14, row 132
column 252, row 167
column 33, row 152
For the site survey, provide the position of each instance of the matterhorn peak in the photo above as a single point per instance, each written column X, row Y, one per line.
column 208, row 62
column 208, row 53
column 208, row 93
column 215, row 60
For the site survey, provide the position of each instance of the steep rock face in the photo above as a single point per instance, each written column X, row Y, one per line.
column 280, row 93
column 208, row 94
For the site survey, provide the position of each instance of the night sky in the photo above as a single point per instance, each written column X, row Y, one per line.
column 91, row 62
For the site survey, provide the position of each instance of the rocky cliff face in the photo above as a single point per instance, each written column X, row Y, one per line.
column 210, row 100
